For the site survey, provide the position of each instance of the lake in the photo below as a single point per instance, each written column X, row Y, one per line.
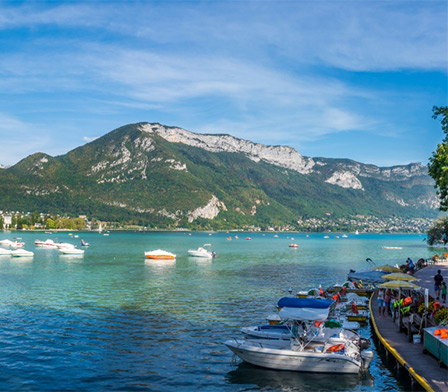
column 112, row 320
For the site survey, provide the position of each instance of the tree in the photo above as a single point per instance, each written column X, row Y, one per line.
column 438, row 232
column 438, row 162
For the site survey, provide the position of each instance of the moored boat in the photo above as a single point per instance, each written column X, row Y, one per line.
column 160, row 254
column 309, row 349
column 71, row 251
column 320, row 358
column 6, row 243
column 21, row 253
column 45, row 244
column 201, row 252
column 17, row 244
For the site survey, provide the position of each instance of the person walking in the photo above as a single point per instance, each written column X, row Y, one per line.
column 380, row 301
column 387, row 299
column 438, row 279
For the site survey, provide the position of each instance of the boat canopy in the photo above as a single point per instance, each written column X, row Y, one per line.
column 314, row 303
column 304, row 314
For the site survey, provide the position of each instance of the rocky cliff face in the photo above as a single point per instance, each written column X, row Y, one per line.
column 345, row 173
column 283, row 156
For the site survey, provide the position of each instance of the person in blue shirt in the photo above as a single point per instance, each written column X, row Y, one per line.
column 411, row 266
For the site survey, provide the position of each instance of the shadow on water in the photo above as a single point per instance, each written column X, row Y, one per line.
column 256, row 378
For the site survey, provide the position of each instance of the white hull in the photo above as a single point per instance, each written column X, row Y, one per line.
column 22, row 253
column 299, row 361
column 70, row 251
column 195, row 253
column 201, row 252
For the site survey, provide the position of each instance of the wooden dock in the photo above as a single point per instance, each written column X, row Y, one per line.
column 424, row 368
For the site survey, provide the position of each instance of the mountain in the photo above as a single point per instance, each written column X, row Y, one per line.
column 160, row 176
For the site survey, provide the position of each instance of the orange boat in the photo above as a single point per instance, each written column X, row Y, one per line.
column 160, row 254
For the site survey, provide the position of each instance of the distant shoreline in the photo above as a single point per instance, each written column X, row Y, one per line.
column 204, row 231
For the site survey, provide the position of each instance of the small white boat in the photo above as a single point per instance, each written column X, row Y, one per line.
column 71, row 251
column 17, row 244
column 60, row 245
column 160, row 254
column 83, row 243
column 293, row 245
column 6, row 243
column 49, row 244
column 201, row 252
column 21, row 253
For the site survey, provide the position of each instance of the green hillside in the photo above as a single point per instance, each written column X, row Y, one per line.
column 134, row 177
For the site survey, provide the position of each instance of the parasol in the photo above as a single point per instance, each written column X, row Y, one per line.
column 387, row 268
column 399, row 284
column 399, row 276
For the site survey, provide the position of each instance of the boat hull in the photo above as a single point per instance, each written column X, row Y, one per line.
column 194, row 253
column 160, row 257
column 294, row 361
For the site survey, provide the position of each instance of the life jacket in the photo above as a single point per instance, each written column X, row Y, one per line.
column 443, row 332
column 321, row 292
column 405, row 309
column 354, row 308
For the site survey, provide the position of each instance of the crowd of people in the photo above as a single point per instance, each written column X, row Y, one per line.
column 386, row 298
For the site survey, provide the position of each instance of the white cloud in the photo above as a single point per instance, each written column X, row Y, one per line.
column 89, row 139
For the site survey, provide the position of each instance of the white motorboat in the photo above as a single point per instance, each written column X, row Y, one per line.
column 6, row 243
column 49, row 244
column 325, row 357
column 317, row 350
column 201, row 252
column 17, row 244
column 60, row 245
column 21, row 253
column 71, row 251
column 160, row 254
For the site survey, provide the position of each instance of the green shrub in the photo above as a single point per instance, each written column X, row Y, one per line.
column 441, row 317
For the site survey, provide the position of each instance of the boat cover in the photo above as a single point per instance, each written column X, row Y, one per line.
column 304, row 314
column 367, row 276
column 315, row 303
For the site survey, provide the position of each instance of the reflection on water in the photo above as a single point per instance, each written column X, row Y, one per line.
column 272, row 380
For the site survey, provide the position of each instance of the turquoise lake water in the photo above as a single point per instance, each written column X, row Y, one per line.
column 112, row 320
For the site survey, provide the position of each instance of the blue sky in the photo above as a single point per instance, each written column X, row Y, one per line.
column 339, row 79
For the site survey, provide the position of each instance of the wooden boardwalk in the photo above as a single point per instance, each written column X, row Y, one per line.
column 422, row 367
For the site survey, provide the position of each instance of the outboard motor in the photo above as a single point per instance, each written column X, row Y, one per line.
column 364, row 344
column 367, row 358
